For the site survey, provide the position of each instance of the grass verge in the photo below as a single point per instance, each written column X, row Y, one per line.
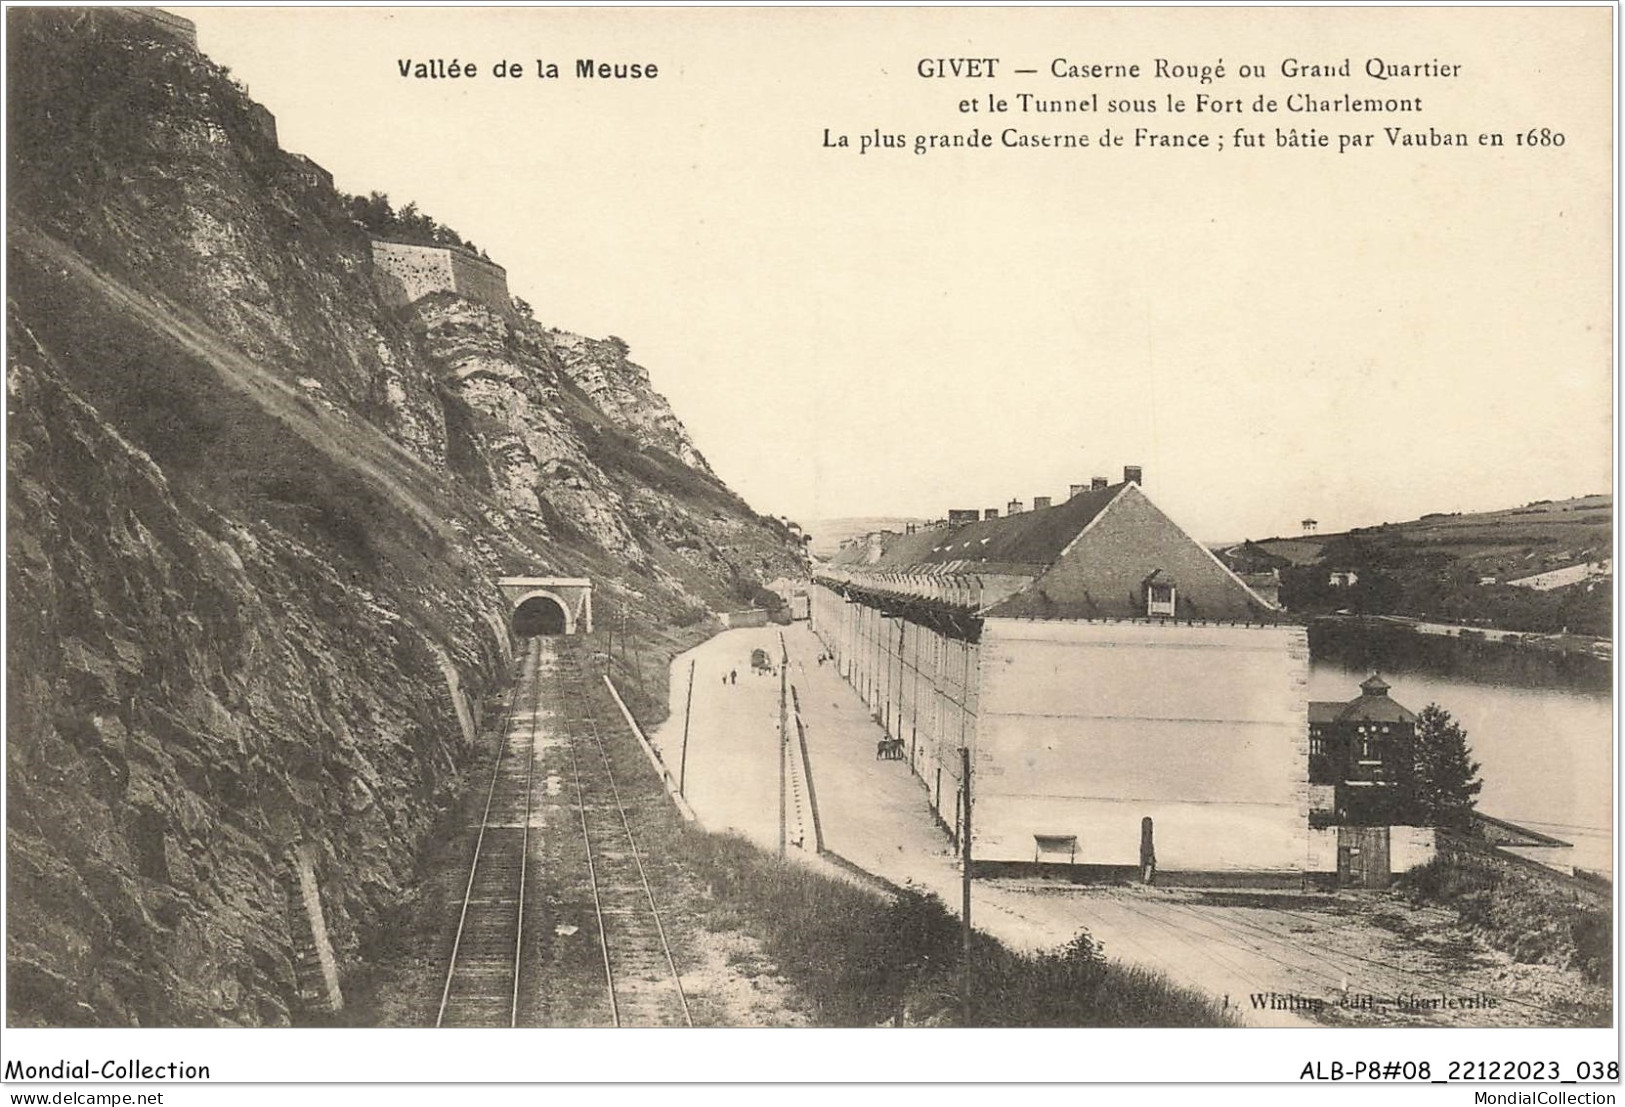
column 864, row 960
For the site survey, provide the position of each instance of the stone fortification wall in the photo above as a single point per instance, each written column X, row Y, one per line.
column 264, row 122
column 480, row 280
column 178, row 26
column 409, row 272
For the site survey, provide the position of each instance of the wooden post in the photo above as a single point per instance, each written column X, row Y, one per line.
column 682, row 765
column 637, row 660
column 812, row 793
column 965, row 930
column 784, row 738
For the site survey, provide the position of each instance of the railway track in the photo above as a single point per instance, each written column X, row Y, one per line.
column 498, row 961
column 642, row 984
column 483, row 977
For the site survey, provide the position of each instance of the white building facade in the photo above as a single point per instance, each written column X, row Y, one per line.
column 1103, row 669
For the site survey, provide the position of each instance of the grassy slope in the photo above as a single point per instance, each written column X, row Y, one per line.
column 1431, row 567
column 863, row 960
column 1491, row 542
column 1516, row 910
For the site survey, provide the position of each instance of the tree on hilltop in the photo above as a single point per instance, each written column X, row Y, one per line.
column 373, row 212
column 378, row 216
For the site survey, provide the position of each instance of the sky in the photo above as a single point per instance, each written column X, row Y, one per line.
column 1271, row 333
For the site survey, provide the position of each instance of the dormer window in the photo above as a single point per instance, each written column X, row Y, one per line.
column 1159, row 597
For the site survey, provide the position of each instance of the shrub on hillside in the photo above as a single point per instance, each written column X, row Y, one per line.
column 689, row 615
column 1515, row 915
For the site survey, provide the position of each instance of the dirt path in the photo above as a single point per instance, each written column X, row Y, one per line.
column 1346, row 959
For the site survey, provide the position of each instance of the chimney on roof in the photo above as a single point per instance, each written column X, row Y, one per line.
column 1076, row 490
column 1013, row 507
column 910, row 528
column 1040, row 503
column 991, row 513
column 1131, row 474
column 1098, row 484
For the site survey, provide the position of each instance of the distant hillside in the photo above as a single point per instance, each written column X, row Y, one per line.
column 1456, row 567
column 828, row 534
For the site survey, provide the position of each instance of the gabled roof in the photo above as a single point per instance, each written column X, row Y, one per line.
column 1105, row 572
column 1015, row 545
column 1090, row 557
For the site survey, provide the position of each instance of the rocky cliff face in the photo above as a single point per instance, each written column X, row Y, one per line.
column 620, row 388
column 255, row 520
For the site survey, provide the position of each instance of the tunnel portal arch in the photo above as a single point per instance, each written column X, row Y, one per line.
column 547, row 605
column 541, row 613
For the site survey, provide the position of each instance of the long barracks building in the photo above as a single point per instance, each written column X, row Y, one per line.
column 1121, row 692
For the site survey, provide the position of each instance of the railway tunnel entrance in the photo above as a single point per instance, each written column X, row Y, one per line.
column 539, row 606
column 539, row 615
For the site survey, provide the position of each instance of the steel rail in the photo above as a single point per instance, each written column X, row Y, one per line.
column 592, row 876
column 524, row 842
column 643, row 876
column 479, row 842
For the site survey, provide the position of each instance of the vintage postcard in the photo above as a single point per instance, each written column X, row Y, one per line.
column 1094, row 522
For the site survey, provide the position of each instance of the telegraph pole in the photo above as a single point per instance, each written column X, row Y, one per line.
column 637, row 660
column 784, row 726
column 682, row 766
column 964, row 925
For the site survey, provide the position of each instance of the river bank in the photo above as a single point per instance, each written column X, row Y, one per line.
column 1480, row 657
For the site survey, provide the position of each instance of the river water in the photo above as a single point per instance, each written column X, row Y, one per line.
column 1546, row 756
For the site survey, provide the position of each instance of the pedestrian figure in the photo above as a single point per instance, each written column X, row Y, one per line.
column 733, row 676
column 1148, row 851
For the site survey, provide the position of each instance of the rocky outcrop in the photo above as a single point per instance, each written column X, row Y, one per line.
column 144, row 156
column 620, row 388
column 255, row 519
column 522, row 440
column 192, row 696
